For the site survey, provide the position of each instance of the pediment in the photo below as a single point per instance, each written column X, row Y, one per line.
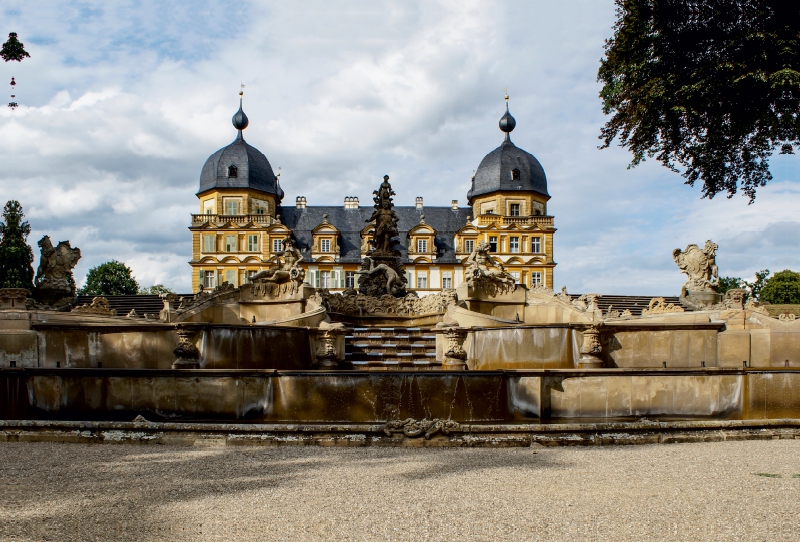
column 421, row 229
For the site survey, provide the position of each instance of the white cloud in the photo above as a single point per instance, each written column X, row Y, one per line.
column 120, row 109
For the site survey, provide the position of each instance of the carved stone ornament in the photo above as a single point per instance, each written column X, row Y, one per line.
column 734, row 298
column 753, row 306
column 658, row 305
column 486, row 273
column 455, row 356
column 424, row 427
column 54, row 282
column 326, row 351
column 99, row 307
column 591, row 348
column 353, row 303
column 13, row 298
column 187, row 354
column 700, row 291
column 285, row 277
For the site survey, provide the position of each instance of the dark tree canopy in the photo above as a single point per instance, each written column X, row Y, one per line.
column 110, row 278
column 16, row 257
column 13, row 49
column 729, row 283
column 781, row 288
column 712, row 86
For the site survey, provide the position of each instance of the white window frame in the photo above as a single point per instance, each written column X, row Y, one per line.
column 422, row 281
column 209, row 243
column 513, row 245
column 536, row 278
column 324, row 245
column 209, row 279
column 536, row 245
column 325, row 279
column 208, row 207
column 252, row 242
column 496, row 243
column 422, row 246
column 515, row 274
column 230, row 276
column 349, row 279
column 469, row 245
column 235, row 243
column 232, row 201
column 277, row 246
column 447, row 280
column 511, row 209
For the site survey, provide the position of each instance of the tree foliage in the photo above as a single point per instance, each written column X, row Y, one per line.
column 13, row 49
column 729, row 283
column 782, row 288
column 758, row 285
column 110, row 278
column 155, row 289
column 16, row 256
column 712, row 86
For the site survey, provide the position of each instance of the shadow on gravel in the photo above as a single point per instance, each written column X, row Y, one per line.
column 77, row 488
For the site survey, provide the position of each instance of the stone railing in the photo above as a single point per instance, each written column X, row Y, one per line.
column 266, row 220
column 541, row 221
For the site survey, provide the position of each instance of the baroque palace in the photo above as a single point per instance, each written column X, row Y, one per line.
column 242, row 224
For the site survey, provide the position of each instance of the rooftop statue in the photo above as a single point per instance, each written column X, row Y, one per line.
column 481, row 275
column 54, row 282
column 701, row 268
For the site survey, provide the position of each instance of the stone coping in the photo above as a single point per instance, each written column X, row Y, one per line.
column 566, row 373
column 495, row 435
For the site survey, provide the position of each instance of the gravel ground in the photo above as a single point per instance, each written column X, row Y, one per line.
column 746, row 490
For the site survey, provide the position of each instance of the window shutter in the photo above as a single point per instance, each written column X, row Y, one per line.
column 201, row 276
column 316, row 278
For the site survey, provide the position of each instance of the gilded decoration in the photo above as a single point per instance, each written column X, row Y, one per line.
column 486, row 273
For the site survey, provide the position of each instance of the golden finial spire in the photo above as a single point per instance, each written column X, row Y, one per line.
column 505, row 91
column 241, row 91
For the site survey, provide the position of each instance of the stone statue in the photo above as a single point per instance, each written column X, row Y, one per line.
column 381, row 272
column 480, row 274
column 701, row 268
column 286, row 271
column 368, row 268
column 54, row 284
column 385, row 219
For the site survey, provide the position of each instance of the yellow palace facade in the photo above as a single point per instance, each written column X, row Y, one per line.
column 242, row 223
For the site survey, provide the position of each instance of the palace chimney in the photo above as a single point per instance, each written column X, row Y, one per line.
column 454, row 205
column 419, row 204
column 300, row 202
column 351, row 202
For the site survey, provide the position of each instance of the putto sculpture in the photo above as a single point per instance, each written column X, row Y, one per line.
column 381, row 272
column 700, row 266
column 54, row 284
column 486, row 273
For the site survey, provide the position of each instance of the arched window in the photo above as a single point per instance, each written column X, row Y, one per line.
column 233, row 172
column 515, row 174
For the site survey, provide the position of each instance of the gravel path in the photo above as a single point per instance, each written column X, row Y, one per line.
column 746, row 490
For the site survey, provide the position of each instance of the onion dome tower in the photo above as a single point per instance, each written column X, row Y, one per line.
column 508, row 168
column 239, row 165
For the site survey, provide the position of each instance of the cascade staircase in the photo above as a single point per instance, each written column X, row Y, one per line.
column 391, row 348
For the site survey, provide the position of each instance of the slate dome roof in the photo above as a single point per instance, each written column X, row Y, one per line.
column 496, row 170
column 252, row 169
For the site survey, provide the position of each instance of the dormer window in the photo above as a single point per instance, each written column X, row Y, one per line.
column 515, row 174
column 233, row 172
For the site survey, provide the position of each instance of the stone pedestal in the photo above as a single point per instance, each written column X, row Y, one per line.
column 591, row 349
column 187, row 354
column 455, row 357
column 509, row 305
column 13, row 298
column 700, row 300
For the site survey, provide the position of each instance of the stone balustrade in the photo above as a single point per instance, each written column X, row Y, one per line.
column 266, row 220
column 541, row 221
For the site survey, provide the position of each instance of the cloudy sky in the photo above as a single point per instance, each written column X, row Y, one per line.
column 121, row 103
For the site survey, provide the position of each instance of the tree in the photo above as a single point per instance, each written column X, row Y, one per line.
column 13, row 49
column 110, row 278
column 155, row 289
column 710, row 85
column 782, row 288
column 756, row 287
column 729, row 283
column 16, row 257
